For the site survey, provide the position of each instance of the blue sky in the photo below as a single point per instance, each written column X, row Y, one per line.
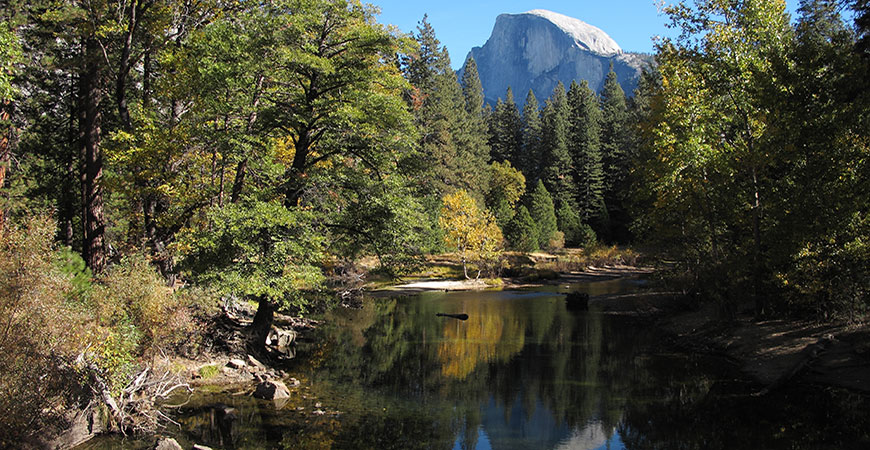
column 461, row 25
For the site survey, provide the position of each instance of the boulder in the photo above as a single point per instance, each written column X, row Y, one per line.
column 280, row 337
column 271, row 390
column 201, row 447
column 167, row 444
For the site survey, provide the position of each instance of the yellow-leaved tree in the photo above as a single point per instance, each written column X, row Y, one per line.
column 471, row 231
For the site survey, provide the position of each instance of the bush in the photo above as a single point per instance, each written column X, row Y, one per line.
column 43, row 332
column 586, row 236
column 133, row 295
column 557, row 241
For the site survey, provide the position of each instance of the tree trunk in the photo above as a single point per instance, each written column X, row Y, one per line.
column 90, row 122
column 757, row 270
column 261, row 325
column 239, row 182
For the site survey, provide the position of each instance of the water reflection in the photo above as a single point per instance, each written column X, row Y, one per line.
column 521, row 373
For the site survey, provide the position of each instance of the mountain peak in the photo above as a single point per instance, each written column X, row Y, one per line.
column 538, row 49
column 586, row 36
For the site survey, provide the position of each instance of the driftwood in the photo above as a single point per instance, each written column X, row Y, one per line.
column 454, row 316
column 809, row 355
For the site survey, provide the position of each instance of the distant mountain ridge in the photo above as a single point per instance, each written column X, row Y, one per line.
column 537, row 49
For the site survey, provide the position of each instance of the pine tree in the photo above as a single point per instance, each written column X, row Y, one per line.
column 453, row 145
column 506, row 131
column 557, row 169
column 529, row 162
column 614, row 113
column 543, row 213
column 472, row 130
column 614, row 129
column 585, row 147
column 522, row 231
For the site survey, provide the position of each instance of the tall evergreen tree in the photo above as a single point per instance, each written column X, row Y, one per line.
column 529, row 162
column 614, row 138
column 453, row 144
column 472, row 129
column 614, row 113
column 585, row 149
column 506, row 131
column 557, row 172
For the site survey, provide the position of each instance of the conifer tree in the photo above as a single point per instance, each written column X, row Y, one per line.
column 530, row 159
column 453, row 145
column 556, row 158
column 614, row 138
column 614, row 112
column 522, row 231
column 506, row 131
column 543, row 213
column 473, row 130
column 585, row 148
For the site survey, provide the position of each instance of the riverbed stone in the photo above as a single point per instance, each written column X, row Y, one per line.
column 271, row 390
column 236, row 363
column 168, row 444
column 255, row 364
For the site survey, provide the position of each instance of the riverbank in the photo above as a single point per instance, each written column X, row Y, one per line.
column 779, row 352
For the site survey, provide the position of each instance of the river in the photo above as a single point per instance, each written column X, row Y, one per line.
column 522, row 372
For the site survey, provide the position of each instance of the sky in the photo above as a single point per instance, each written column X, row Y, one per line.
column 461, row 25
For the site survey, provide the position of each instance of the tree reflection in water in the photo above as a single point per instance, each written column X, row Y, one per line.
column 521, row 372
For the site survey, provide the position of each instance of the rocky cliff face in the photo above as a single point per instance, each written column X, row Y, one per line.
column 537, row 49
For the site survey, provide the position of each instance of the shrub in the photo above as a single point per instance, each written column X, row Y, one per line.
column 43, row 331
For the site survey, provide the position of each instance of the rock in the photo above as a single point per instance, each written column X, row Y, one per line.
column 293, row 382
column 236, row 363
column 577, row 301
column 167, row 444
column 256, row 364
column 537, row 49
column 280, row 337
column 82, row 426
column 201, row 447
column 271, row 390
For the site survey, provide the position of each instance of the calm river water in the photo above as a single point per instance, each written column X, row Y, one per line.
column 521, row 373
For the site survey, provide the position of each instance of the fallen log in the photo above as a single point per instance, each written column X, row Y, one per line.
column 454, row 316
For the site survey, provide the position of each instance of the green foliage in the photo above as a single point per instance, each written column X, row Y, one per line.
column 506, row 131
column 522, row 231
column 453, row 146
column 531, row 156
column 831, row 276
column 543, row 213
column 73, row 266
column 10, row 53
column 506, row 187
column 585, row 148
column 257, row 250
column 570, row 225
column 209, row 371
column 557, row 170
